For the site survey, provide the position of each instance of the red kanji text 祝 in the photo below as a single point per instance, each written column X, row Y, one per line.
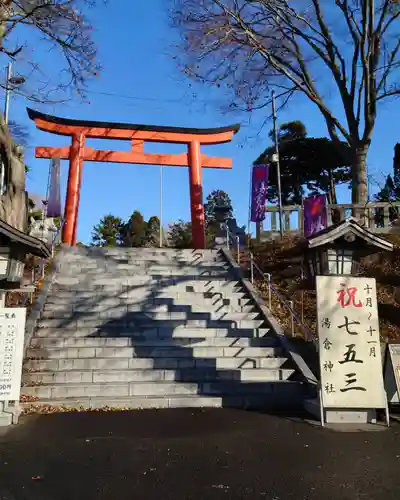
column 347, row 297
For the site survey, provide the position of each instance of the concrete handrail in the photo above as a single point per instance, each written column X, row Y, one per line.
column 288, row 346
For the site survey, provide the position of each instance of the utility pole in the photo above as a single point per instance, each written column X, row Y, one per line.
column 7, row 99
column 276, row 160
column 6, row 110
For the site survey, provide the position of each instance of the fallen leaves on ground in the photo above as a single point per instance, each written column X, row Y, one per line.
column 46, row 409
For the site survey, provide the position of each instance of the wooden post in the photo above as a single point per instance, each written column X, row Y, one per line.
column 386, row 218
column 258, row 232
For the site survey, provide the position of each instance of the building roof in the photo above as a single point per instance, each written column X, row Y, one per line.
column 36, row 115
column 336, row 231
column 349, row 225
column 32, row 245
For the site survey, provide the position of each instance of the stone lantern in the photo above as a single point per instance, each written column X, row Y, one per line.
column 228, row 231
column 14, row 246
column 221, row 217
column 337, row 250
column 222, row 213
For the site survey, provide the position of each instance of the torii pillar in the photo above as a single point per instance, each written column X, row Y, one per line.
column 77, row 153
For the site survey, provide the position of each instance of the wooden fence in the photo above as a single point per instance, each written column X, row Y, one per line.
column 378, row 217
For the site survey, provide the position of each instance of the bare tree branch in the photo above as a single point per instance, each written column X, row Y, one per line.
column 25, row 25
column 249, row 47
column 62, row 24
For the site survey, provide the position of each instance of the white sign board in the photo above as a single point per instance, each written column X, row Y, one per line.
column 349, row 345
column 392, row 373
column 12, row 333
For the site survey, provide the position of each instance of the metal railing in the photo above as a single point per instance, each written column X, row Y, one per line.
column 266, row 278
column 377, row 216
column 288, row 305
column 52, row 245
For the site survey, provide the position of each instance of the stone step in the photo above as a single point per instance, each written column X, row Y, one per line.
column 134, row 274
column 142, row 270
column 45, row 342
column 148, row 307
column 149, row 352
column 61, row 364
column 185, row 375
column 123, row 253
column 282, row 395
column 93, row 270
column 52, row 310
column 188, row 273
column 215, row 301
column 142, row 275
column 186, row 266
column 152, row 333
column 155, row 289
column 124, row 258
column 132, row 277
column 138, row 313
column 147, row 323
column 145, row 258
column 67, row 282
column 147, row 389
column 75, row 299
column 135, row 251
column 109, row 266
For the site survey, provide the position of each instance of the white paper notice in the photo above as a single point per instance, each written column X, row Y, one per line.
column 349, row 344
column 12, row 333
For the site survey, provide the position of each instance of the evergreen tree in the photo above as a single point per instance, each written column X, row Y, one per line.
column 108, row 232
column 153, row 232
column 217, row 199
column 309, row 165
column 390, row 192
column 180, row 234
column 134, row 231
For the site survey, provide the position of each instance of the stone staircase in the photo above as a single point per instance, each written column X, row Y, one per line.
column 139, row 328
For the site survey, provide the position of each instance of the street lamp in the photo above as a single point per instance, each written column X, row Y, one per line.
column 337, row 250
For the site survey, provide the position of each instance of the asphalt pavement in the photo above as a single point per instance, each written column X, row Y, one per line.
column 194, row 455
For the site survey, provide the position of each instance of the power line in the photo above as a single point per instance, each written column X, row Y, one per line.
column 149, row 99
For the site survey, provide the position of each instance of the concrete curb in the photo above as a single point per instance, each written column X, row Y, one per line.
column 37, row 309
column 10, row 414
column 289, row 347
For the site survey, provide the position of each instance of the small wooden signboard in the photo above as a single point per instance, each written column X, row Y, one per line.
column 349, row 345
column 12, row 334
column 392, row 373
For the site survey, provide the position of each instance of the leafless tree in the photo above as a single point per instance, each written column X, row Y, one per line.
column 50, row 42
column 320, row 48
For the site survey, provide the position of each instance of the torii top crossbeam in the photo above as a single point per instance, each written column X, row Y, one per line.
column 79, row 130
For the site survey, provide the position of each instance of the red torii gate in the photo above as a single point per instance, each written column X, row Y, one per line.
column 79, row 130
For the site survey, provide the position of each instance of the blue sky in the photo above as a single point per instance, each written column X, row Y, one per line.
column 140, row 83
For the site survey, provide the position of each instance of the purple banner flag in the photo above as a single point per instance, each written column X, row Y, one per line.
column 315, row 214
column 259, row 185
column 54, row 195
